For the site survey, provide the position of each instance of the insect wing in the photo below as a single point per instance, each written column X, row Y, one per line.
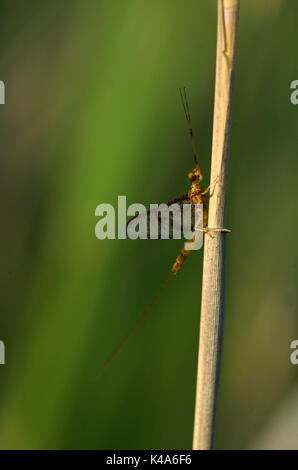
column 161, row 221
column 195, row 237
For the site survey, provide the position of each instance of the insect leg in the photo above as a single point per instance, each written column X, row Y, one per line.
column 213, row 189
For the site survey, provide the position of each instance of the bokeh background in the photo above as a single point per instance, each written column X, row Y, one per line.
column 92, row 112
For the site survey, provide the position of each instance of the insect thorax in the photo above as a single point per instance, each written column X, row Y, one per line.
column 195, row 193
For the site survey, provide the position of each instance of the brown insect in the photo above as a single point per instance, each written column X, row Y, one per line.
column 195, row 195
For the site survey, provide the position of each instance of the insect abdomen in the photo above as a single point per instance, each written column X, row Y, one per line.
column 183, row 255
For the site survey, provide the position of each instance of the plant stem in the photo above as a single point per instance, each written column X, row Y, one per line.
column 213, row 289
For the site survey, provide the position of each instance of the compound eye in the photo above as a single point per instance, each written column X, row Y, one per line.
column 190, row 176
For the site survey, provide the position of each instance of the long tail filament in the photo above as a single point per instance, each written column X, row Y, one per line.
column 134, row 327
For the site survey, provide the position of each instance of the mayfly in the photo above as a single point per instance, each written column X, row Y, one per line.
column 196, row 195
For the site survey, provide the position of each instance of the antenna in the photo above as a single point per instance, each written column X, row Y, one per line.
column 185, row 105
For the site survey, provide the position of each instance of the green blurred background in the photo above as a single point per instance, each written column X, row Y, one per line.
column 92, row 112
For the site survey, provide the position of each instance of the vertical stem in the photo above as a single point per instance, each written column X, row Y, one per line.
column 213, row 290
